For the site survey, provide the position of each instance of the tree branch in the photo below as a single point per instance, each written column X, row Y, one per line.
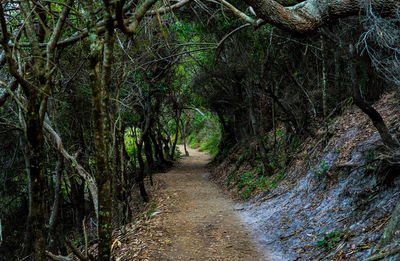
column 76, row 251
column 167, row 9
column 241, row 15
column 307, row 16
column 81, row 171
column 58, row 258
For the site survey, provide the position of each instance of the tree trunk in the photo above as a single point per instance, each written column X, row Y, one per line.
column 149, row 156
column 176, row 136
column 55, row 209
column 157, row 148
column 34, row 134
column 166, row 143
column 184, row 133
column 100, row 100
column 140, row 174
column 254, row 127
column 28, row 230
column 374, row 115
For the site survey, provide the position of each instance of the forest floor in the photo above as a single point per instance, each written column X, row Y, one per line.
column 189, row 219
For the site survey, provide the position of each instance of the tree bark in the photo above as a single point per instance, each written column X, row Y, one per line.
column 307, row 16
column 157, row 148
column 140, row 174
column 56, row 203
column 34, row 137
column 176, row 135
column 148, row 150
column 184, row 133
column 75, row 164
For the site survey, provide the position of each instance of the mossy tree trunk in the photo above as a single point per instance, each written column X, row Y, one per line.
column 101, row 55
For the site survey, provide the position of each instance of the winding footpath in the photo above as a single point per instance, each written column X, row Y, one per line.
column 198, row 222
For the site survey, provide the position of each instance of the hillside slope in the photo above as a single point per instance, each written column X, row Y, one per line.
column 336, row 196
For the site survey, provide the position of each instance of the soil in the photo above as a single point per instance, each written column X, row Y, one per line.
column 193, row 220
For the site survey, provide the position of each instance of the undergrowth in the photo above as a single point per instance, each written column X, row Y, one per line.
column 206, row 135
column 248, row 182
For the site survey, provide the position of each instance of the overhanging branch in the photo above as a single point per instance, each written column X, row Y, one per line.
column 307, row 16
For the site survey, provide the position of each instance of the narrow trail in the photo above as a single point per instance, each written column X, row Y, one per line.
column 198, row 221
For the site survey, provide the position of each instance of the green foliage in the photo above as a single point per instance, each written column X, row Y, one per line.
column 178, row 154
column 248, row 182
column 205, row 133
column 321, row 169
column 329, row 240
column 129, row 140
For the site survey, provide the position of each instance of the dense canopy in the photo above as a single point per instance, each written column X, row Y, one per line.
column 96, row 95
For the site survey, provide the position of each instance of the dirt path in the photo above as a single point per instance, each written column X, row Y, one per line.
column 196, row 221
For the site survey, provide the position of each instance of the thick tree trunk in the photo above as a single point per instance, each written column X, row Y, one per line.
column 103, row 175
column 101, row 55
column 100, row 100
column 34, row 136
column 118, row 178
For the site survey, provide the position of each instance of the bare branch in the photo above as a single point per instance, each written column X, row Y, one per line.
column 240, row 14
column 13, row 69
column 75, row 164
column 136, row 17
column 167, row 9
column 58, row 258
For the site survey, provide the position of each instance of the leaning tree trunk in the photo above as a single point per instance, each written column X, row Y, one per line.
column 373, row 114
